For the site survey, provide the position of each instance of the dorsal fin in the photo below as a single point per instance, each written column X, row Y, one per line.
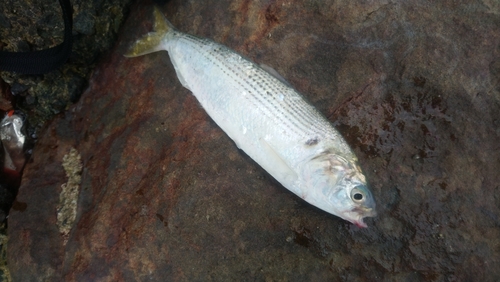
column 274, row 73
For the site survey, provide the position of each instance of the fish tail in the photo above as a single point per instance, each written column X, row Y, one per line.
column 152, row 41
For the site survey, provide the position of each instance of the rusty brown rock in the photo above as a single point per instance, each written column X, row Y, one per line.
column 165, row 194
column 5, row 96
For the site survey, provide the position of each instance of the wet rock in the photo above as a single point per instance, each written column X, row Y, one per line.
column 6, row 199
column 37, row 25
column 5, row 96
column 84, row 23
column 4, row 22
column 165, row 193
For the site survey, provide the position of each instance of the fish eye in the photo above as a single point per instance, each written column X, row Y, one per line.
column 357, row 195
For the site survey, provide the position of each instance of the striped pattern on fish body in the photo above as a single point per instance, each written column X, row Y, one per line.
column 269, row 120
column 255, row 103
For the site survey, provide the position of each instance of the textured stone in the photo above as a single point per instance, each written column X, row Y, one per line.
column 165, row 194
column 29, row 25
column 5, row 97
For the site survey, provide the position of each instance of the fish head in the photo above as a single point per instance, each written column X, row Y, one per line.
column 338, row 186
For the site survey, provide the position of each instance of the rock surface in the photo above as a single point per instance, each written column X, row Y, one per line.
column 165, row 194
column 28, row 25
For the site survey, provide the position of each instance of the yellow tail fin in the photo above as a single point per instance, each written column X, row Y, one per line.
column 151, row 42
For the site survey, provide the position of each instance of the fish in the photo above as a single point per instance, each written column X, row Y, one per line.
column 268, row 119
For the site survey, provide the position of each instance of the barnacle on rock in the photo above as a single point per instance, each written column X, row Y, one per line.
column 68, row 199
column 4, row 270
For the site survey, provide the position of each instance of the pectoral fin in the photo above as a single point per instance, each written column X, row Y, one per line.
column 279, row 168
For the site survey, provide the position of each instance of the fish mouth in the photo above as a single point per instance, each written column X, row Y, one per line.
column 365, row 211
column 370, row 212
column 362, row 213
column 359, row 223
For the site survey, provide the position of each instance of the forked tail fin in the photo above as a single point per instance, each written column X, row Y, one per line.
column 152, row 41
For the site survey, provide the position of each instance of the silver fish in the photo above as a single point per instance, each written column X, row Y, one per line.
column 267, row 119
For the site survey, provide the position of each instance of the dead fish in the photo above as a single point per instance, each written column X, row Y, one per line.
column 267, row 119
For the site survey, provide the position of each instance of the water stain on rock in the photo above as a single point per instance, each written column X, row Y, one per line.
column 303, row 237
column 162, row 219
column 420, row 115
column 419, row 81
column 19, row 206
